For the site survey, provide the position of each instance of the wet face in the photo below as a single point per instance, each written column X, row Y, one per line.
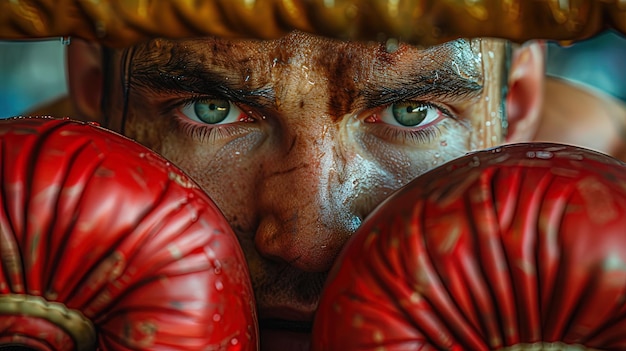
column 298, row 139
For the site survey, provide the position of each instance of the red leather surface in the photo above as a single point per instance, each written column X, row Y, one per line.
column 103, row 225
column 520, row 244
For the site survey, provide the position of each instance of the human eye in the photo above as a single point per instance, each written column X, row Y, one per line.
column 213, row 111
column 214, row 119
column 408, row 121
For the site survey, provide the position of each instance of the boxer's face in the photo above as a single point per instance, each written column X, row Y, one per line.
column 298, row 139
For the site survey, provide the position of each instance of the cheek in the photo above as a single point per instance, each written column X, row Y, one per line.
column 404, row 162
column 379, row 168
column 228, row 175
column 227, row 172
column 455, row 141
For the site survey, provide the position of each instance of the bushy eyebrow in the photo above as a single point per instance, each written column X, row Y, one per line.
column 425, row 85
column 201, row 82
column 173, row 74
column 451, row 71
column 433, row 74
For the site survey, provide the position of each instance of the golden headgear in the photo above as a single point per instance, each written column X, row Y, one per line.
column 124, row 22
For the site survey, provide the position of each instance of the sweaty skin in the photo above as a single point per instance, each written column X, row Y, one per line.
column 310, row 144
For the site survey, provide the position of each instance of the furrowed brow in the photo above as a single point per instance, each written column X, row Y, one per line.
column 433, row 84
column 176, row 75
column 450, row 72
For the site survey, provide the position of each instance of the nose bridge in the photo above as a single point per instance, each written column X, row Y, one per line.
column 303, row 222
column 307, row 167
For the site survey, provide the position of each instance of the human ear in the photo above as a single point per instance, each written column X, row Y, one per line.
column 84, row 67
column 525, row 92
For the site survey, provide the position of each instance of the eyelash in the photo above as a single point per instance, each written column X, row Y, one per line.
column 205, row 133
column 201, row 132
column 421, row 136
column 425, row 135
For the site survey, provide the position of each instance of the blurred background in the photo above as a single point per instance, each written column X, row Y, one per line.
column 599, row 63
column 33, row 73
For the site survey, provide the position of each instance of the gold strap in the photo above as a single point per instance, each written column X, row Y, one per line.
column 79, row 328
column 125, row 22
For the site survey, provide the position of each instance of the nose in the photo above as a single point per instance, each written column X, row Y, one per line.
column 306, row 214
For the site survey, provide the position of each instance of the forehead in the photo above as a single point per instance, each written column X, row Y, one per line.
column 363, row 74
column 357, row 59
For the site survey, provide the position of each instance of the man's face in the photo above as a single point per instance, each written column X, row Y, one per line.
column 298, row 139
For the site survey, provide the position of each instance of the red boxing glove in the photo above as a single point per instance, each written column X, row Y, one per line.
column 523, row 244
column 105, row 244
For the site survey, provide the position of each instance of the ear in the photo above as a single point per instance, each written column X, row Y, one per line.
column 525, row 95
column 84, row 67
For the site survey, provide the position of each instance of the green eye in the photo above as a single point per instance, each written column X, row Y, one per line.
column 410, row 114
column 211, row 111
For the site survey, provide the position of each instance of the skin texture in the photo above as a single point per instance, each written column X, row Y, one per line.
column 314, row 147
column 594, row 120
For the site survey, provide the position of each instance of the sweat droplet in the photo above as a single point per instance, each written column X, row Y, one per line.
column 391, row 45
column 219, row 286
column 218, row 267
column 217, row 317
column 544, row 155
column 475, row 162
column 234, row 341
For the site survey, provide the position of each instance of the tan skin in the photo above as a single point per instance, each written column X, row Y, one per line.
column 594, row 120
column 311, row 140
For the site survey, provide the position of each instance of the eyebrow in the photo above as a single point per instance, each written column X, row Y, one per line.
column 442, row 78
column 177, row 77
column 450, row 71
column 425, row 85
column 439, row 84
